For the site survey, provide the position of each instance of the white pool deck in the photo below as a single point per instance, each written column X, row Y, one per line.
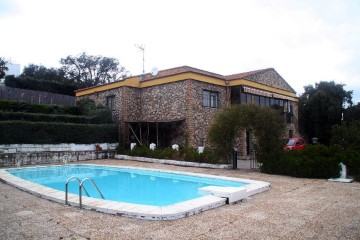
column 218, row 196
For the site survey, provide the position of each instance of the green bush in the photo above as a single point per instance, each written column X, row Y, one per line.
column 184, row 154
column 37, row 117
column 346, row 135
column 99, row 117
column 315, row 161
column 20, row 106
column 86, row 107
column 232, row 121
column 40, row 85
column 51, row 133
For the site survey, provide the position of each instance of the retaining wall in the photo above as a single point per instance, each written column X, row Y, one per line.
column 16, row 155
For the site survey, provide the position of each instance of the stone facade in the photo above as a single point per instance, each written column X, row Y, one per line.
column 174, row 110
column 163, row 103
column 270, row 78
column 200, row 117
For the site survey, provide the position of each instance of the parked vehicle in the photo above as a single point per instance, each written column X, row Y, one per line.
column 294, row 143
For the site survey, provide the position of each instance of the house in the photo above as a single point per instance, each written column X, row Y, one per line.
column 178, row 105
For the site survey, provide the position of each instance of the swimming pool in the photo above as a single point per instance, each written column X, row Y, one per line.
column 135, row 192
column 124, row 184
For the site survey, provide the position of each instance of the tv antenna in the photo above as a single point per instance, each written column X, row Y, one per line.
column 142, row 48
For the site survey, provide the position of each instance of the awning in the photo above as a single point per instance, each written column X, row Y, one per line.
column 267, row 94
column 257, row 92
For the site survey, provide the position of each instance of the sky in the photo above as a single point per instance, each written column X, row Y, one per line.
column 306, row 41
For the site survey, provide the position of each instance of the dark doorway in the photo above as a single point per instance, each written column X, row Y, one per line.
column 160, row 133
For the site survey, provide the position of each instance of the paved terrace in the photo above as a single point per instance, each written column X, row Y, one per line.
column 293, row 209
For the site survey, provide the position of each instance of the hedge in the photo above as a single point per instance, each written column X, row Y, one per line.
column 20, row 106
column 184, row 154
column 17, row 132
column 315, row 161
column 98, row 118
column 40, row 85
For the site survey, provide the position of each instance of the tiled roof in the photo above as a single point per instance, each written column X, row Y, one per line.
column 251, row 76
column 187, row 69
column 246, row 74
column 179, row 70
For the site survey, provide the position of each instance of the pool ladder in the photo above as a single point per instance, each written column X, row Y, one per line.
column 81, row 186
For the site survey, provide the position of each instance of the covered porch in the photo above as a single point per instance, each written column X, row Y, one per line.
column 164, row 133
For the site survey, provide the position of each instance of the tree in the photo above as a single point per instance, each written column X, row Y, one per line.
column 3, row 67
column 40, row 72
column 352, row 113
column 266, row 124
column 321, row 107
column 87, row 70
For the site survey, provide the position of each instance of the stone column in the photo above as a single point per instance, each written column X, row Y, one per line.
column 190, row 113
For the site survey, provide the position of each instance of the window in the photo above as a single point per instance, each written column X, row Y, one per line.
column 235, row 95
column 248, row 98
column 256, row 100
column 262, row 101
column 243, row 98
column 210, row 99
column 110, row 102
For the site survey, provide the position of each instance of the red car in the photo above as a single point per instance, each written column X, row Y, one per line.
column 294, row 143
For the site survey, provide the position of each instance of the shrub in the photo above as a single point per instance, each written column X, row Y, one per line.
column 346, row 135
column 52, row 133
column 232, row 121
column 36, row 117
column 40, row 85
column 315, row 161
column 97, row 114
column 100, row 116
column 184, row 154
column 20, row 106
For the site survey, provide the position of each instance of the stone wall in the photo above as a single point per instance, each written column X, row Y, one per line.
column 180, row 102
column 271, row 78
column 64, row 147
column 133, row 104
column 163, row 102
column 100, row 98
column 38, row 158
column 15, row 155
column 127, row 107
column 200, row 117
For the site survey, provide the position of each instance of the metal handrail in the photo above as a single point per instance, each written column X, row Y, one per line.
column 67, row 188
column 81, row 186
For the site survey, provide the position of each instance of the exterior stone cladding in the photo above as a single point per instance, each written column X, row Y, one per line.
column 294, row 126
column 270, row 78
column 169, row 99
column 178, row 104
column 200, row 118
column 121, row 102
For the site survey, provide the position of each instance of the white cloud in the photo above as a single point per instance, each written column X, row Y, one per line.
column 305, row 41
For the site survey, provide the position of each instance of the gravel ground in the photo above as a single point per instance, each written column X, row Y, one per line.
column 293, row 209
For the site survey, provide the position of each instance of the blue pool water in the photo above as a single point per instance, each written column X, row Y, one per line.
column 124, row 184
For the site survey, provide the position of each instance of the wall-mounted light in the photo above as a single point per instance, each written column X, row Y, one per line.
column 227, row 82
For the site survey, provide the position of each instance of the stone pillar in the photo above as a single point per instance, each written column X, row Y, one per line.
column 190, row 113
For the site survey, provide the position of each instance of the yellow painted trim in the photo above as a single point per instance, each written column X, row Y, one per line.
column 135, row 82
column 129, row 82
column 181, row 77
